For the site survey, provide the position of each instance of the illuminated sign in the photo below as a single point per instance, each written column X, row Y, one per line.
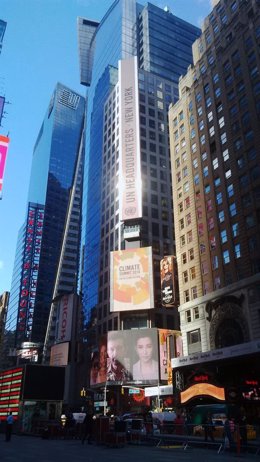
column 131, row 285
column 4, row 143
column 10, row 388
column 251, row 382
column 159, row 391
column 30, row 268
column 169, row 281
column 202, row 389
column 201, row 378
column 28, row 353
column 139, row 397
column 168, row 349
column 129, row 144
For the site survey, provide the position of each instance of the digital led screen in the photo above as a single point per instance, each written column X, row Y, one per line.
column 43, row 382
column 10, row 389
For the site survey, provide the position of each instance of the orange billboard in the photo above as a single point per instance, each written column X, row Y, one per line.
column 131, row 284
column 202, row 389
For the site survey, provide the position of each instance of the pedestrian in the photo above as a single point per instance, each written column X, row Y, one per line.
column 9, row 426
column 228, row 437
column 242, row 423
column 179, row 424
column 87, row 427
column 208, row 427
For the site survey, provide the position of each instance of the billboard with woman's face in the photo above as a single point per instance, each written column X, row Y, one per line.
column 145, row 355
column 126, row 357
column 169, row 281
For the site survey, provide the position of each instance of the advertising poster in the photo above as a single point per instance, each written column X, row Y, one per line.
column 59, row 354
column 131, row 285
column 170, row 346
column 168, row 281
column 119, row 346
column 165, row 354
column 132, row 356
column 98, row 370
column 145, row 355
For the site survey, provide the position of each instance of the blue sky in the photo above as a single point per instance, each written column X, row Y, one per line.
column 39, row 50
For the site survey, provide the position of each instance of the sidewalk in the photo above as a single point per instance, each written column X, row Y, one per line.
column 35, row 449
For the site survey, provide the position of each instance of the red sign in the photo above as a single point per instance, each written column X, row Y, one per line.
column 10, row 387
column 251, row 382
column 201, row 378
column 4, row 142
column 30, row 271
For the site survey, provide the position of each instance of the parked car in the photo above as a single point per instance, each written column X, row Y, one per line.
column 164, row 421
column 135, row 427
column 218, row 412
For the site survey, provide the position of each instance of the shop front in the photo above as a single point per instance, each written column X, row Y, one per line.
column 34, row 395
column 229, row 375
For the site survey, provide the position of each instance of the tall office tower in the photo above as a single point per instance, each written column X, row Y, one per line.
column 161, row 44
column 65, row 287
column 3, row 25
column 216, row 181
column 53, row 171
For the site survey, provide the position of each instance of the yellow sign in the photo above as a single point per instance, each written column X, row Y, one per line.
column 203, row 389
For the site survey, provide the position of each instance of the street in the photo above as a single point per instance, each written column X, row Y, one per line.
column 35, row 449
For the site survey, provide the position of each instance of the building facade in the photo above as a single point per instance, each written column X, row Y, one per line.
column 216, row 182
column 40, row 241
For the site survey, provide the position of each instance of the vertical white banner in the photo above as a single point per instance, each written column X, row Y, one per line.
column 65, row 318
column 129, row 147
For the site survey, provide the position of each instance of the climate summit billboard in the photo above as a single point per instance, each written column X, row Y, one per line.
column 131, row 285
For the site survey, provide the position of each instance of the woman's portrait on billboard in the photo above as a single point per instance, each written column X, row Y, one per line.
column 146, row 368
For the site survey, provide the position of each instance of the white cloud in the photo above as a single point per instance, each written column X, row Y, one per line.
column 1, row 264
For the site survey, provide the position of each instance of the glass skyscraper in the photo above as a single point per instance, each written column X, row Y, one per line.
column 52, row 175
column 162, row 44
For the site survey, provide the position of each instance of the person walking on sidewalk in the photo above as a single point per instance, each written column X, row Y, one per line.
column 87, row 427
column 9, row 426
column 208, row 427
